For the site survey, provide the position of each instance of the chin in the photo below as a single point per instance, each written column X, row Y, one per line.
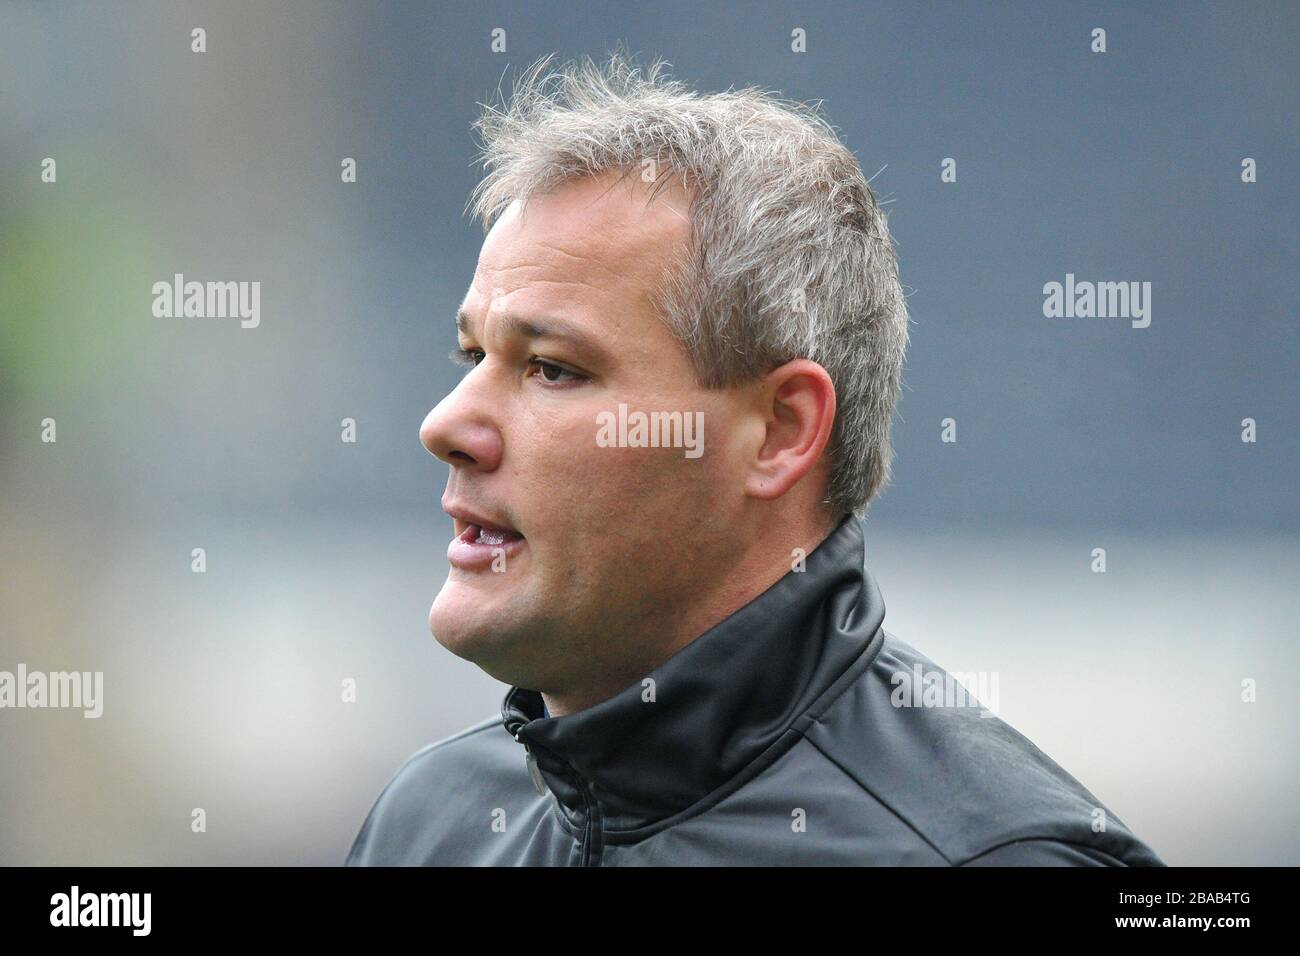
column 452, row 623
column 506, row 633
column 470, row 621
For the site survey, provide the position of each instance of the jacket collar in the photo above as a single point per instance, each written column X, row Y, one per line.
column 720, row 701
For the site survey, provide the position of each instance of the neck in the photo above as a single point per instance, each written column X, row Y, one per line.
column 768, row 556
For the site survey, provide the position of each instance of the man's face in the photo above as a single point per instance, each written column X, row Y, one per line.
column 573, row 558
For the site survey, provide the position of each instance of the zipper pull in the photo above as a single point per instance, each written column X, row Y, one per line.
column 534, row 771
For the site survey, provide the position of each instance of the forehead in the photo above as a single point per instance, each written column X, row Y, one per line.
column 597, row 237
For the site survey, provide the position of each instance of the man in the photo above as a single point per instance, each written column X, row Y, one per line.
column 683, row 344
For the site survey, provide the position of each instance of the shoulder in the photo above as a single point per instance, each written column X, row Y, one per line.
column 962, row 779
column 427, row 795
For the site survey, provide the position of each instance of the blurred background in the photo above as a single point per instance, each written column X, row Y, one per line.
column 222, row 689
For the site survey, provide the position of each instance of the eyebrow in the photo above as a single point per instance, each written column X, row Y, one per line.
column 546, row 327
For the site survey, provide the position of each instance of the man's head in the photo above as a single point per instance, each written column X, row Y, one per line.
column 684, row 338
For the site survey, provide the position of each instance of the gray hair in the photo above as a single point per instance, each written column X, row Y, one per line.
column 790, row 256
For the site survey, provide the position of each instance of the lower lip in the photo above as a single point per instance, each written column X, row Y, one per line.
column 466, row 553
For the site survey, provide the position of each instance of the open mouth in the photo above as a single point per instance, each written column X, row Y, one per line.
column 482, row 534
column 480, row 546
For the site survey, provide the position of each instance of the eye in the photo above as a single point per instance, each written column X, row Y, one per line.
column 467, row 358
column 553, row 374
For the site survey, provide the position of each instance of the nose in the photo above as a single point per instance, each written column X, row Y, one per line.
column 461, row 431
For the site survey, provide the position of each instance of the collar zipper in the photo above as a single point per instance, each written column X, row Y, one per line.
column 591, row 831
column 530, row 759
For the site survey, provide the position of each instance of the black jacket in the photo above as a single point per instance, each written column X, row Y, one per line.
column 772, row 739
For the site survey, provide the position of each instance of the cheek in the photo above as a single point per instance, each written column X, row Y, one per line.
column 642, row 491
column 563, row 479
column 552, row 455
